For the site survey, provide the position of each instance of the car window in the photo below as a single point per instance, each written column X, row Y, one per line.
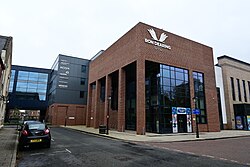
column 36, row 126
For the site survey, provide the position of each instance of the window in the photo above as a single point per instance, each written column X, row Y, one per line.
column 232, row 87
column 83, row 80
column 199, row 92
column 12, row 78
column 244, row 90
column 81, row 94
column 239, row 91
column 248, row 87
column 83, row 69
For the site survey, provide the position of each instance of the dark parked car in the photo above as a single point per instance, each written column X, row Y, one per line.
column 35, row 133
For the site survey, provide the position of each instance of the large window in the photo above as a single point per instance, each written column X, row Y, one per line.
column 174, row 86
column 32, row 82
column 83, row 81
column 239, row 90
column 244, row 90
column 83, row 68
column 248, row 88
column 199, row 93
column 165, row 87
column 232, row 87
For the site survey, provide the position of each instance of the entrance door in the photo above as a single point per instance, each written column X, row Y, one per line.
column 182, row 123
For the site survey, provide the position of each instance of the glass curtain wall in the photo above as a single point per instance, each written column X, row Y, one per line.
column 32, row 83
column 166, row 87
column 199, row 92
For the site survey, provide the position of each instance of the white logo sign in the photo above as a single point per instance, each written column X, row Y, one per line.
column 157, row 42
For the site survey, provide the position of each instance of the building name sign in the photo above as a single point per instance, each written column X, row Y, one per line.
column 155, row 41
column 64, row 71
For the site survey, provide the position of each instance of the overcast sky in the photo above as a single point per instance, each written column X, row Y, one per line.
column 42, row 29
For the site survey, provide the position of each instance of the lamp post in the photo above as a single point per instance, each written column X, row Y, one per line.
column 195, row 99
column 107, row 131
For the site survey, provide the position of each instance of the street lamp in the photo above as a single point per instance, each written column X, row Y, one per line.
column 195, row 99
column 109, row 99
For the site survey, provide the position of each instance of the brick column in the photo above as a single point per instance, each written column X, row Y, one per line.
column 97, row 104
column 140, row 97
column 121, row 100
column 107, row 94
column 89, row 106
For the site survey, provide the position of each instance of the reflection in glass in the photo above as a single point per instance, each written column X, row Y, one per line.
column 32, row 82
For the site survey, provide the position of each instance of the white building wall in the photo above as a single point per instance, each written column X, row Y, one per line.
column 219, row 83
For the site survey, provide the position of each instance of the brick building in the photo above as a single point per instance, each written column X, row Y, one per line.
column 147, row 82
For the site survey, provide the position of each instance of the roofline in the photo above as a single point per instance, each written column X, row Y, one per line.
column 28, row 67
column 231, row 58
column 72, row 57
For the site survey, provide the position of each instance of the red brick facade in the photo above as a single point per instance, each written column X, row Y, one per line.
column 69, row 114
column 131, row 48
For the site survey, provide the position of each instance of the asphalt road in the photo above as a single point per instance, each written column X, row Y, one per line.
column 73, row 148
column 230, row 149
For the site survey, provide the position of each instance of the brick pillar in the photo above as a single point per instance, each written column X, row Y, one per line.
column 97, row 104
column 89, row 106
column 140, row 97
column 107, row 94
column 121, row 100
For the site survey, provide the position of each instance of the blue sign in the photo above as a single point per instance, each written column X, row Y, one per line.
column 196, row 111
column 188, row 111
column 174, row 110
column 181, row 110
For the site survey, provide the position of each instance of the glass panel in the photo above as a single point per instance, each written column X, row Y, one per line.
column 179, row 70
column 20, row 89
column 179, row 83
column 172, row 82
column 166, row 81
column 33, row 75
column 41, row 91
column 42, row 97
column 32, row 85
column 42, row 75
column 22, row 84
column 42, row 86
column 179, row 76
column 33, row 90
column 165, row 73
column 83, row 69
column 203, row 120
column 172, row 74
column 23, row 73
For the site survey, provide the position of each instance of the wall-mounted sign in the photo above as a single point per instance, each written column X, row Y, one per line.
column 64, row 71
column 155, row 41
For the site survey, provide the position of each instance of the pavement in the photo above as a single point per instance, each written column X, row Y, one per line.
column 9, row 135
column 8, row 146
column 152, row 137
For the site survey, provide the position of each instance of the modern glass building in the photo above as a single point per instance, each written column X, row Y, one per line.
column 28, row 89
